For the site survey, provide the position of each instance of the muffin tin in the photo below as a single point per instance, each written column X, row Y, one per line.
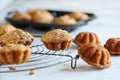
column 26, row 25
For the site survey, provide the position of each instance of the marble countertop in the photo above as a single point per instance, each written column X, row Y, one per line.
column 106, row 25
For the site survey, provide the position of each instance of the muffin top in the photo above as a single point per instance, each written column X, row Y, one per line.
column 5, row 28
column 65, row 20
column 11, row 47
column 21, row 16
column 57, row 35
column 42, row 17
column 33, row 11
column 78, row 16
column 15, row 36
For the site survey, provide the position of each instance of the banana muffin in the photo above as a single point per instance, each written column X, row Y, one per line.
column 5, row 28
column 64, row 20
column 57, row 39
column 17, row 36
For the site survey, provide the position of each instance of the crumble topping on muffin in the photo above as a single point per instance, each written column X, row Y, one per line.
column 57, row 39
column 5, row 28
column 16, row 37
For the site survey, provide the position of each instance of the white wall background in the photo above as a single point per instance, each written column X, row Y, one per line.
column 5, row 3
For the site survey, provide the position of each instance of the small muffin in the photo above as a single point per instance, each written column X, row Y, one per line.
column 33, row 11
column 84, row 38
column 5, row 28
column 21, row 17
column 113, row 46
column 57, row 39
column 95, row 55
column 42, row 17
column 16, row 37
column 64, row 20
column 78, row 16
column 14, row 54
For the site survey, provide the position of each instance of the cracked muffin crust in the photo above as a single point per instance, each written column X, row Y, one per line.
column 16, row 37
column 5, row 28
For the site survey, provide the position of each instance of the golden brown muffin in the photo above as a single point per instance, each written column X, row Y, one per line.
column 14, row 54
column 113, row 45
column 42, row 17
column 78, row 16
column 64, row 20
column 16, row 37
column 5, row 28
column 57, row 39
column 95, row 55
column 21, row 17
column 84, row 38
column 34, row 11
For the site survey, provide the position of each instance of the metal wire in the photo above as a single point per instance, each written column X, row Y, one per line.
column 43, row 58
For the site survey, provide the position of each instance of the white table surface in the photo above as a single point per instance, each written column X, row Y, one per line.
column 106, row 25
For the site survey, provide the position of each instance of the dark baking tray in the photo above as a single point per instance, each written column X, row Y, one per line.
column 25, row 25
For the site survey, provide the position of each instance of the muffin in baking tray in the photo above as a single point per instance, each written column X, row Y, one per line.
column 95, row 55
column 14, row 54
column 113, row 46
column 57, row 39
column 84, row 38
column 64, row 20
column 17, row 36
column 34, row 11
column 21, row 17
column 5, row 28
column 78, row 16
column 42, row 16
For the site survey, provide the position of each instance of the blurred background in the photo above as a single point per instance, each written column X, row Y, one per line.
column 106, row 11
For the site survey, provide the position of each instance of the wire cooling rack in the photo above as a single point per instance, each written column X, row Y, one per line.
column 43, row 58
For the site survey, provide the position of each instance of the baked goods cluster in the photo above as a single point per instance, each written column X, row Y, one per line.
column 90, row 49
column 44, row 16
column 14, row 45
column 93, row 53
